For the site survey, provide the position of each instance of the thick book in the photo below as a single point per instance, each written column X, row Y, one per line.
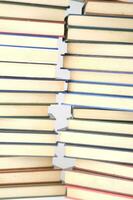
column 60, row 3
column 101, row 114
column 76, row 192
column 29, row 55
column 24, row 110
column 31, row 124
column 29, row 41
column 32, row 190
column 105, row 22
column 28, row 150
column 109, row 8
column 27, row 70
column 96, row 139
column 24, row 176
column 14, row 163
column 100, row 49
column 99, row 35
column 27, row 11
column 27, row 98
column 98, row 63
column 31, row 27
column 101, row 182
column 34, row 137
column 99, row 101
column 122, row 128
column 97, row 88
column 118, row 170
column 34, row 85
column 102, row 77
column 101, row 154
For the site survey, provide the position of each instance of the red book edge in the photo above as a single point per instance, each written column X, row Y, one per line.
column 99, row 191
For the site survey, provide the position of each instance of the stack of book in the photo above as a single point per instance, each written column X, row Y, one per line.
column 100, row 132
column 29, row 177
column 99, row 180
column 30, row 35
column 103, row 140
column 30, row 32
column 100, row 57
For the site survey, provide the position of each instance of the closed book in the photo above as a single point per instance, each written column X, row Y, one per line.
column 109, row 8
column 97, row 153
column 124, row 128
column 101, row 114
column 63, row 3
column 27, row 11
column 33, row 85
column 99, row 35
column 105, row 22
column 31, row 27
column 33, row 190
column 102, row 77
column 96, row 139
column 40, row 124
column 28, row 150
column 101, row 182
column 98, row 63
column 27, row 54
column 24, row 176
column 76, row 192
column 27, row 70
column 96, row 88
column 99, row 101
column 100, row 49
column 34, row 137
column 27, row 98
column 24, row 110
column 29, row 41
column 118, row 170
column 13, row 162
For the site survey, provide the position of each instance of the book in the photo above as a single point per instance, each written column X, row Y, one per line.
column 109, row 8
column 101, row 154
column 100, row 126
column 28, row 11
column 76, row 192
column 118, row 170
column 102, row 77
column 99, row 101
column 95, row 139
column 98, row 63
column 100, row 35
column 10, row 84
column 24, row 176
column 24, row 110
column 99, row 22
column 97, row 88
column 27, row 98
column 15, row 163
column 32, row 190
column 26, row 137
column 101, row 182
column 27, row 70
column 31, row 55
column 31, row 27
column 100, row 49
column 35, row 41
column 33, row 124
column 62, row 3
column 101, row 114
column 28, row 150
